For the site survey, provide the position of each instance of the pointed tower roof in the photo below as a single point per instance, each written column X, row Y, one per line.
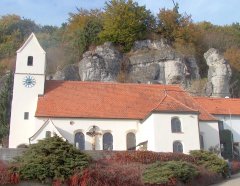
column 31, row 38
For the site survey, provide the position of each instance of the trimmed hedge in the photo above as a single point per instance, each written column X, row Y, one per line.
column 105, row 173
column 148, row 157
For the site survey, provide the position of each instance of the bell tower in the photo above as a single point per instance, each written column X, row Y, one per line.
column 29, row 80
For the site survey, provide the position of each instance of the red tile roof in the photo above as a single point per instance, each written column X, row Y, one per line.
column 76, row 99
column 220, row 106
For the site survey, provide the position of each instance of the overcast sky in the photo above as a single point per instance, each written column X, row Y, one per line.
column 55, row 12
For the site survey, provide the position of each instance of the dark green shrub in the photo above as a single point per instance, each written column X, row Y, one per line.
column 210, row 161
column 163, row 173
column 51, row 158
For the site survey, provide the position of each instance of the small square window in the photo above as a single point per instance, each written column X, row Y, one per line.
column 30, row 61
column 26, row 115
column 48, row 134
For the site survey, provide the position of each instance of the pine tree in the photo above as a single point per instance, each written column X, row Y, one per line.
column 5, row 107
column 51, row 158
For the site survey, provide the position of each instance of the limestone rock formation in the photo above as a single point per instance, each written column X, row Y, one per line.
column 157, row 61
column 101, row 64
column 219, row 74
column 70, row 72
column 148, row 61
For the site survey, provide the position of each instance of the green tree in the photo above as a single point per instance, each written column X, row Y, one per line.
column 82, row 31
column 5, row 106
column 124, row 22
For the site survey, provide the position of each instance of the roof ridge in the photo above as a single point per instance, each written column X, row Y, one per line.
column 201, row 97
column 159, row 102
column 114, row 83
column 209, row 114
column 44, row 124
column 182, row 103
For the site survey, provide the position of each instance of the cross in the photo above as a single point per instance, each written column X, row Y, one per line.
column 93, row 133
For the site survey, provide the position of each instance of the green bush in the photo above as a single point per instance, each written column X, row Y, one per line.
column 51, row 158
column 210, row 161
column 163, row 173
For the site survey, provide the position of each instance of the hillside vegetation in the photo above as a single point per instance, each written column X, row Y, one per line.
column 121, row 22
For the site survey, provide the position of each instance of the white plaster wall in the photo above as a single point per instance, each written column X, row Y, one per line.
column 41, row 134
column 156, row 129
column 210, row 133
column 118, row 128
column 164, row 137
column 146, row 133
column 232, row 123
column 24, row 100
column 31, row 49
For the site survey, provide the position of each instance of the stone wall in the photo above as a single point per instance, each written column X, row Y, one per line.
column 7, row 154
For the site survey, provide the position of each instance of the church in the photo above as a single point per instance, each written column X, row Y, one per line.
column 109, row 115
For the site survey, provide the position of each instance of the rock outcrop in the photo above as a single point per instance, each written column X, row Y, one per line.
column 101, row 64
column 157, row 61
column 219, row 74
column 68, row 73
column 148, row 61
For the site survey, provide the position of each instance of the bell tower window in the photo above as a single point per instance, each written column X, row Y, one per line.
column 30, row 61
column 26, row 115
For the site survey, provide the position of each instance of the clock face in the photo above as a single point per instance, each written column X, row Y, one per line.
column 29, row 81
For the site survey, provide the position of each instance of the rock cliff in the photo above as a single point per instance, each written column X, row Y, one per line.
column 219, row 74
column 157, row 61
column 149, row 61
column 70, row 72
column 101, row 64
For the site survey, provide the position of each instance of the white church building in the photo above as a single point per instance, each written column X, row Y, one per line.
column 105, row 116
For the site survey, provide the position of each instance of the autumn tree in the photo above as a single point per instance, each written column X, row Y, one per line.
column 175, row 26
column 13, row 31
column 82, row 31
column 124, row 22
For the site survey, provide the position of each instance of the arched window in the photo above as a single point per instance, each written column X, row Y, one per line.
column 79, row 141
column 176, row 125
column 107, row 141
column 177, row 146
column 131, row 141
column 30, row 61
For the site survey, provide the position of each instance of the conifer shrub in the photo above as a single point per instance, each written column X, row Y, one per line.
column 51, row 159
column 210, row 161
column 169, row 173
